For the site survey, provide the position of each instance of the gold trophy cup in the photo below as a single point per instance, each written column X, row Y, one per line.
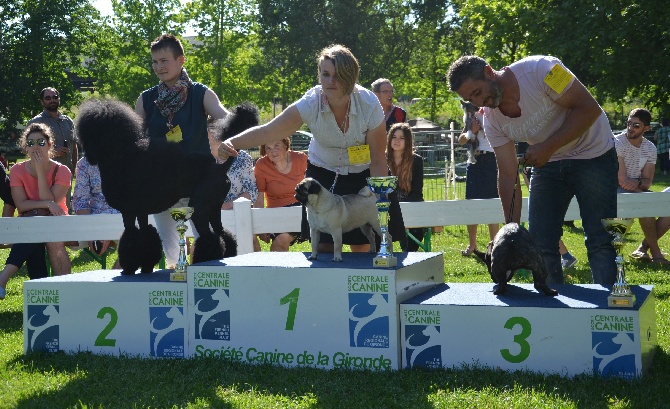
column 382, row 186
column 621, row 295
column 181, row 215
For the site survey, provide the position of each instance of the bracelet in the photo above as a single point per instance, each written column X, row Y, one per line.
column 639, row 182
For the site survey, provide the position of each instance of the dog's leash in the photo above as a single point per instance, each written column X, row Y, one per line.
column 511, row 210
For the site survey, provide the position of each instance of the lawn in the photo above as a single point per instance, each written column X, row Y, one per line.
column 88, row 381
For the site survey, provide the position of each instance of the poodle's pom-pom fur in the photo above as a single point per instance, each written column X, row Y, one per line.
column 208, row 247
column 100, row 118
column 130, row 250
column 231, row 243
column 243, row 117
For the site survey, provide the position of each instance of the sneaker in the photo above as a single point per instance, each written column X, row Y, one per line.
column 568, row 262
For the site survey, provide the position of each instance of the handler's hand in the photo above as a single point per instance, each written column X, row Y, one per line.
column 226, row 150
column 536, row 155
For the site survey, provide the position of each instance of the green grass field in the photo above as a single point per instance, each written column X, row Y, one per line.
column 88, row 381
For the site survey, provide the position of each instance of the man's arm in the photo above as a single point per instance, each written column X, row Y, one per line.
column 584, row 111
column 647, row 176
column 213, row 106
column 508, row 188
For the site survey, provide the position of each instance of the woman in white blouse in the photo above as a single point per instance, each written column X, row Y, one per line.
column 347, row 122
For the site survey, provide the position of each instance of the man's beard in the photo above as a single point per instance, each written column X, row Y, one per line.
column 496, row 94
column 52, row 107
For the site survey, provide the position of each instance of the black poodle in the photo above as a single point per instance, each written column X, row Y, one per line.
column 142, row 176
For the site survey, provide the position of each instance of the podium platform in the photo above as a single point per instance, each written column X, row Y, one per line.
column 279, row 308
column 105, row 312
column 282, row 308
column 453, row 325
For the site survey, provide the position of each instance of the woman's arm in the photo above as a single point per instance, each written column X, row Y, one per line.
column 282, row 126
column 376, row 138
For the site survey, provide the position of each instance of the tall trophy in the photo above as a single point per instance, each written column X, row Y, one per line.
column 383, row 185
column 181, row 215
column 621, row 295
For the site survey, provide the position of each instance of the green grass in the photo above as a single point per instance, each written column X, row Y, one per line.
column 88, row 381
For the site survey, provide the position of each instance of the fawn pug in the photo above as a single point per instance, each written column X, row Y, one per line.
column 335, row 215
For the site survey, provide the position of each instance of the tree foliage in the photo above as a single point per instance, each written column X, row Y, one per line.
column 42, row 44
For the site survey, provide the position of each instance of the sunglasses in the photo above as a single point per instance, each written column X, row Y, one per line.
column 635, row 125
column 40, row 141
column 50, row 97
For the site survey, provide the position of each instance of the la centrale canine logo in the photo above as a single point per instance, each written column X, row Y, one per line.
column 167, row 331
column 43, row 328
column 614, row 347
column 422, row 338
column 212, row 314
column 368, row 311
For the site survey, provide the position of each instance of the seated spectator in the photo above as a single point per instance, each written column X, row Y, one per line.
column 88, row 199
column 637, row 163
column 277, row 172
column 38, row 185
column 408, row 167
column 661, row 225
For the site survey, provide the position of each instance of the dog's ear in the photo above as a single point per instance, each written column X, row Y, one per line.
column 314, row 188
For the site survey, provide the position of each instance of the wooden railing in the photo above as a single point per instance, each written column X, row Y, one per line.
column 245, row 222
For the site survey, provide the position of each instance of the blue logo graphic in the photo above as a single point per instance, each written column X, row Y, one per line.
column 368, row 320
column 422, row 346
column 614, row 354
column 167, row 331
column 43, row 328
column 212, row 314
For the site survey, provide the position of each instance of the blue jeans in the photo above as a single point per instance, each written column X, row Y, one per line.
column 594, row 183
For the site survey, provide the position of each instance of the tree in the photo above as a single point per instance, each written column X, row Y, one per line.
column 122, row 62
column 42, row 43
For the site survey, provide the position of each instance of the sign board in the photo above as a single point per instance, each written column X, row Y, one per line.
column 282, row 308
column 453, row 325
column 105, row 312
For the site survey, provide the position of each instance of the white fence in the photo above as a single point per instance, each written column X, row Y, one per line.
column 244, row 221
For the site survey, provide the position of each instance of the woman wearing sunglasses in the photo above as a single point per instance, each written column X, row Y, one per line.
column 39, row 186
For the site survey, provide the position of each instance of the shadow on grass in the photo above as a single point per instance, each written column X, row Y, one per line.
column 110, row 382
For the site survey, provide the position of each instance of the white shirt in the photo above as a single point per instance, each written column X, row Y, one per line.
column 328, row 148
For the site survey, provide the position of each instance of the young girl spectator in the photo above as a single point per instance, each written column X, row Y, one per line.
column 408, row 167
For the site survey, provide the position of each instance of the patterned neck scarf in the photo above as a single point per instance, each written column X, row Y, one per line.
column 171, row 100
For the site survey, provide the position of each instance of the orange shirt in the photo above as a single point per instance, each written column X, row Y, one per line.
column 280, row 189
column 19, row 177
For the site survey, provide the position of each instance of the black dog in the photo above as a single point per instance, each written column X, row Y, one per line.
column 142, row 176
column 511, row 249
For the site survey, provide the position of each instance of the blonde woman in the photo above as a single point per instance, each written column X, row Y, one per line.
column 347, row 122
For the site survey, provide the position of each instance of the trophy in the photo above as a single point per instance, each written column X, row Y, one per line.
column 181, row 215
column 382, row 186
column 621, row 295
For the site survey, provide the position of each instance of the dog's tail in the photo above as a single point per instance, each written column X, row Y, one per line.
column 243, row 117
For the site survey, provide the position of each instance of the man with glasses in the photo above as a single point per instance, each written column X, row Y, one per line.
column 637, row 163
column 65, row 146
column 384, row 91
column 571, row 150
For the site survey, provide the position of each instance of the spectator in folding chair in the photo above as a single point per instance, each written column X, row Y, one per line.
column 88, row 199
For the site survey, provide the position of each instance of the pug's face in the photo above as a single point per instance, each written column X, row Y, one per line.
column 306, row 188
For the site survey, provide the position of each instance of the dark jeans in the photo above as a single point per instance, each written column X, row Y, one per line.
column 33, row 254
column 594, row 183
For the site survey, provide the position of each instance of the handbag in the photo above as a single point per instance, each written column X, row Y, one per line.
column 41, row 211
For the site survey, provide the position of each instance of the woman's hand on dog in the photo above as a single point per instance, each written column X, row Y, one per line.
column 226, row 150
